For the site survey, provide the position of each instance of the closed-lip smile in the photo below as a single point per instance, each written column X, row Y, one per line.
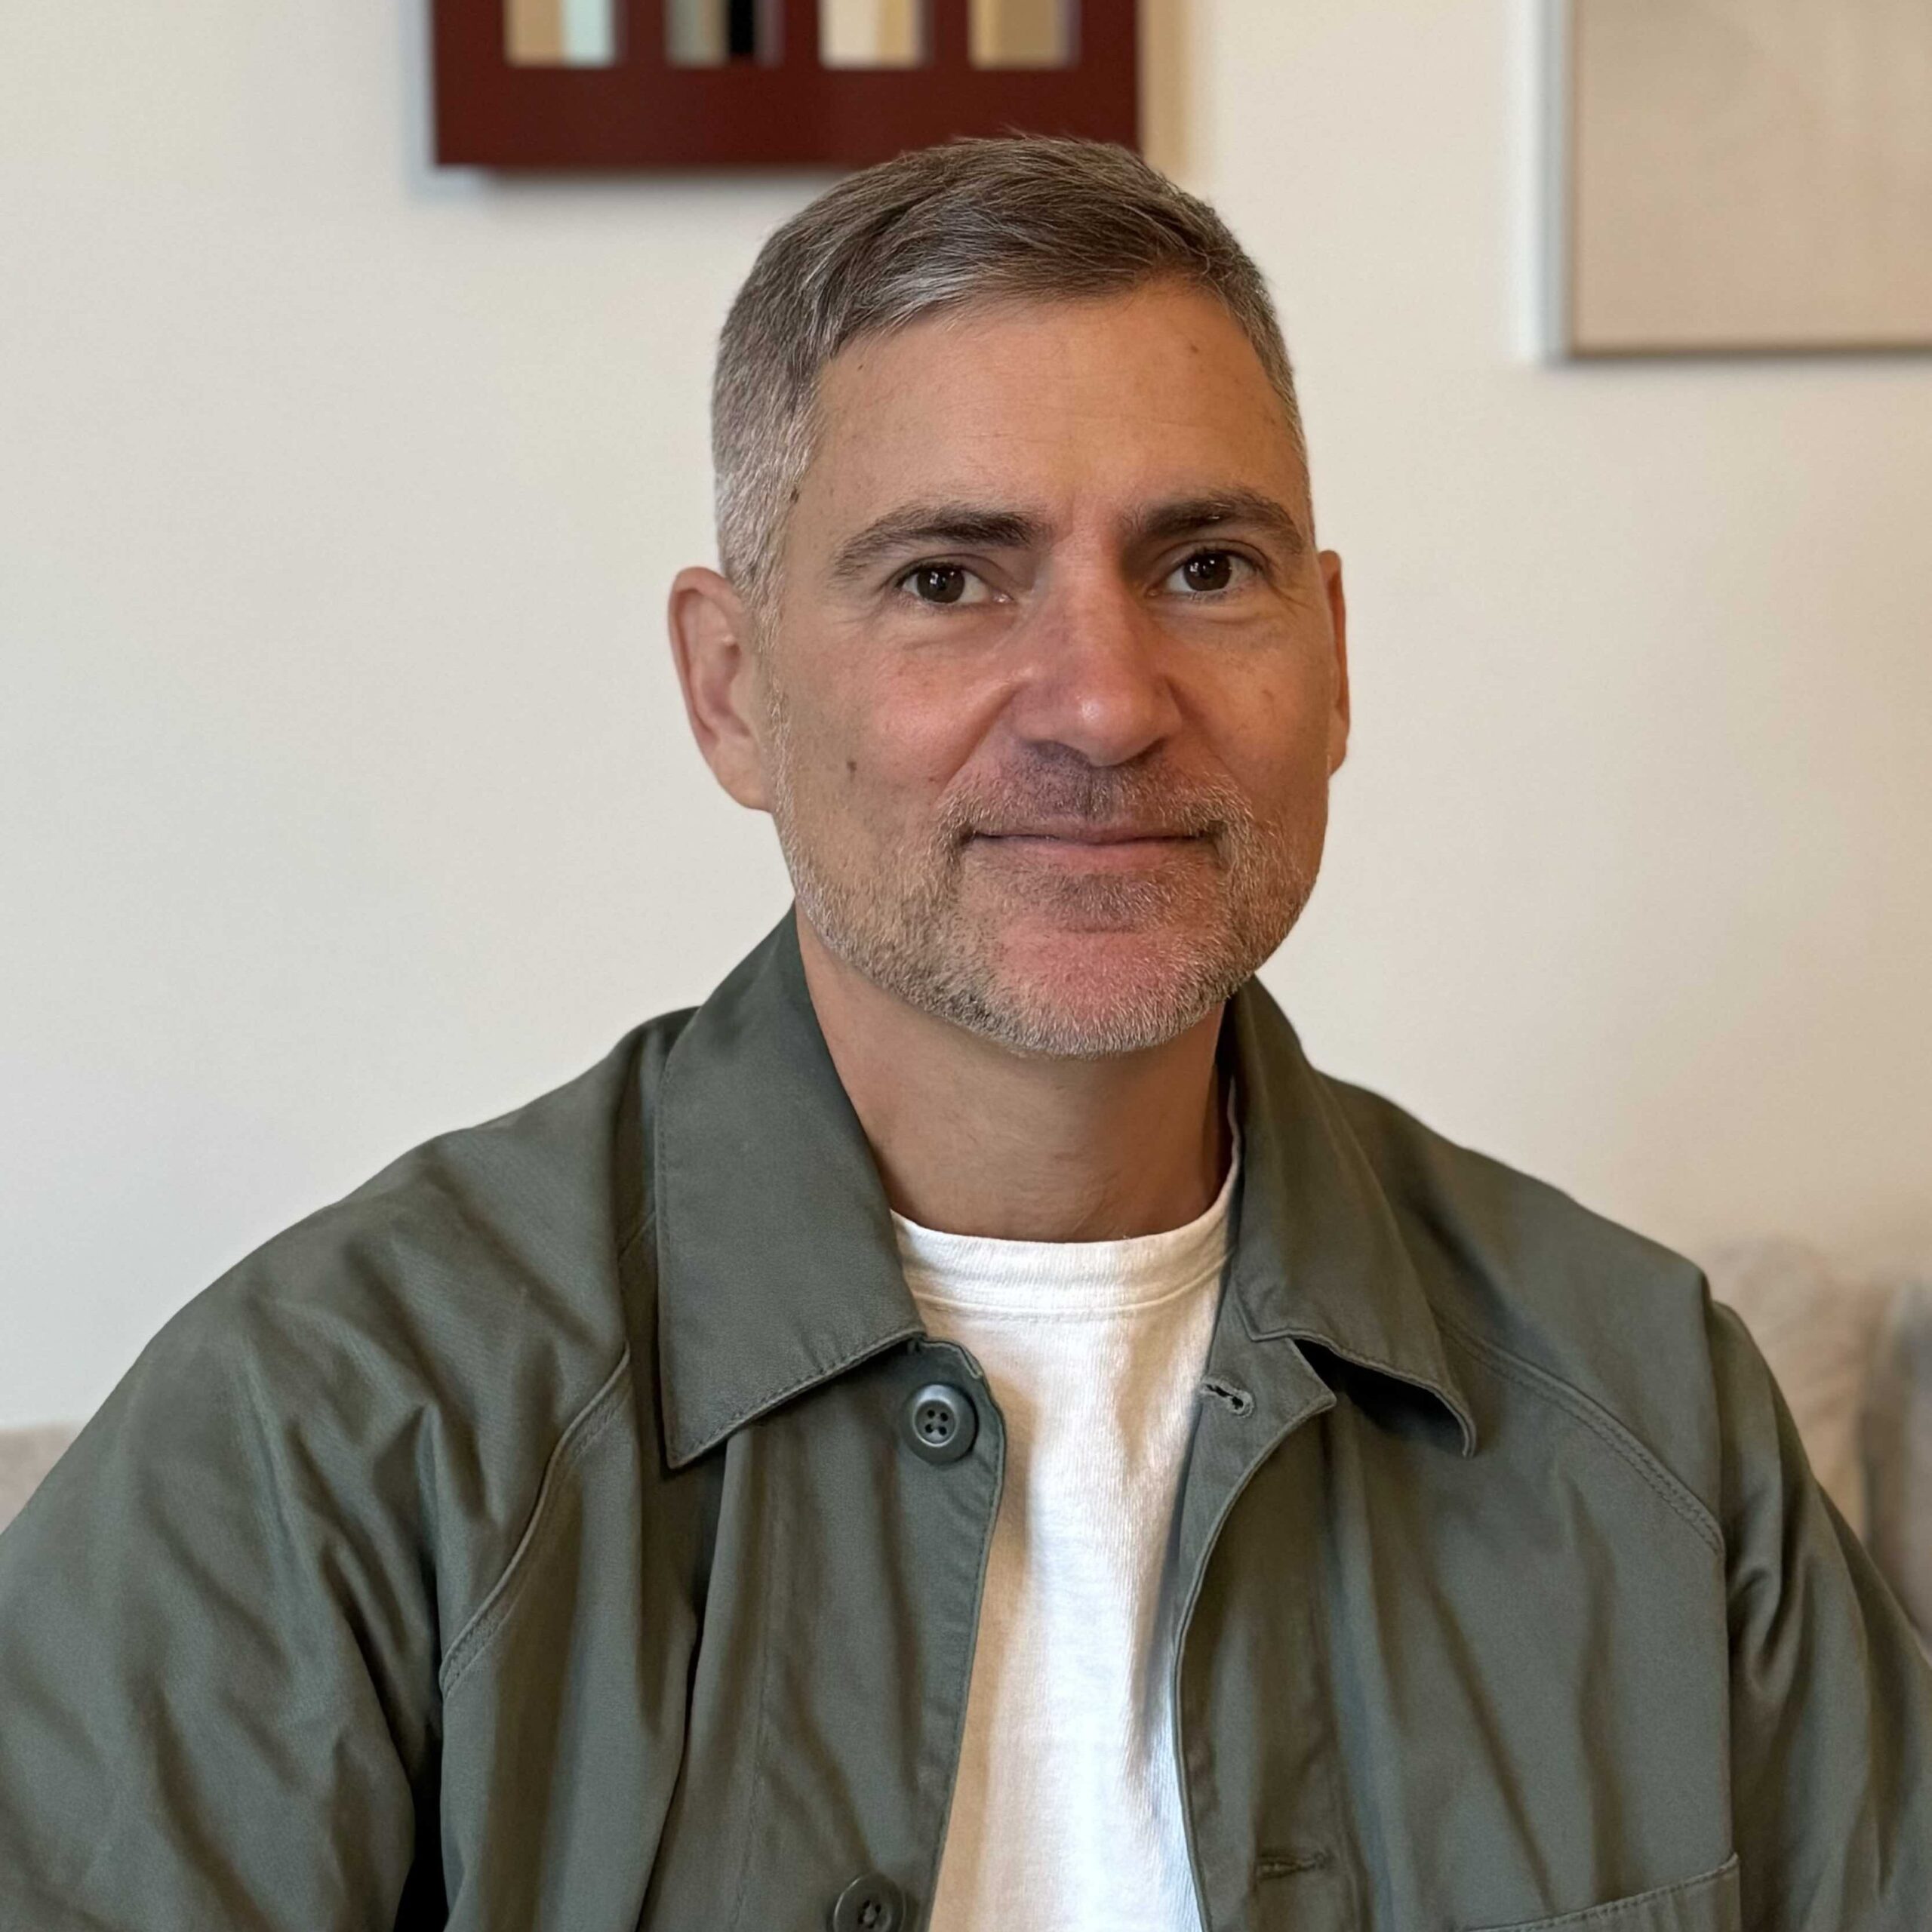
column 1089, row 847
column 1081, row 834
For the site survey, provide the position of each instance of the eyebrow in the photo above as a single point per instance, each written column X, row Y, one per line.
column 945, row 526
column 935, row 526
column 1160, row 523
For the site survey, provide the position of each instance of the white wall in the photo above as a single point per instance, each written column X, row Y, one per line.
column 343, row 792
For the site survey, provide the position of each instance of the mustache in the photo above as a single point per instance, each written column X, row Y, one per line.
column 1102, row 798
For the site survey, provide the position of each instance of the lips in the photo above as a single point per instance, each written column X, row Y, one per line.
column 1088, row 848
column 1093, row 835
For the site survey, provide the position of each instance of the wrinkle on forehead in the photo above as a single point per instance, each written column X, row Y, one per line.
column 1025, row 409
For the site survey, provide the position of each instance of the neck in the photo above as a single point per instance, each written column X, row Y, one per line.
column 973, row 1138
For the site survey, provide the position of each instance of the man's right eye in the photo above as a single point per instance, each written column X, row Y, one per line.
column 938, row 583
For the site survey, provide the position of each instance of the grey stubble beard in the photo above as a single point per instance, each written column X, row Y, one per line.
column 907, row 928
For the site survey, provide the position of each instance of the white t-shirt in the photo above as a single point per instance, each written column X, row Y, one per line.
column 1067, row 1811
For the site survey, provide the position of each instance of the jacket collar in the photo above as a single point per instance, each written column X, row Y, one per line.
column 1318, row 1254
column 777, row 1266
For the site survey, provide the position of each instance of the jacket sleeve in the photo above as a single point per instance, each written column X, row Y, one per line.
column 215, row 1690
column 1831, row 1696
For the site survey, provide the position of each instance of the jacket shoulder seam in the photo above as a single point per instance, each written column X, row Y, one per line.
column 1591, row 1414
column 582, row 1432
column 578, row 1436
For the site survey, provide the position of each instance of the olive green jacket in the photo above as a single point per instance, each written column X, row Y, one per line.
column 538, row 1540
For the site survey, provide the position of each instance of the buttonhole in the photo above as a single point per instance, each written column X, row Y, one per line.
column 1286, row 1864
column 1239, row 1402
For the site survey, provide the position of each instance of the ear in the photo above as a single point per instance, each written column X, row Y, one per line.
column 1338, row 623
column 718, row 673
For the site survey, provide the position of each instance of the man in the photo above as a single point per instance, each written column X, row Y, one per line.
column 967, row 1429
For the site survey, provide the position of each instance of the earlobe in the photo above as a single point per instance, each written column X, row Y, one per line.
column 710, row 633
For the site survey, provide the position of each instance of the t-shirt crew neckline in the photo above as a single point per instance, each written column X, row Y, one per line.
column 1067, row 1280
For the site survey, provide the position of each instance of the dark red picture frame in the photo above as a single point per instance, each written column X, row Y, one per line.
column 643, row 112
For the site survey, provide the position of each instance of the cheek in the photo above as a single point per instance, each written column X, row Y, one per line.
column 912, row 733
column 1276, row 747
column 876, row 760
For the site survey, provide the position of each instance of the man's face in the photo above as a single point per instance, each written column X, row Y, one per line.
column 1055, row 683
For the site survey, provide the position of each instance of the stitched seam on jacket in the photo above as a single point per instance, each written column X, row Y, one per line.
column 772, row 1533
column 566, row 1452
column 1636, row 1901
column 473, row 1638
column 1586, row 1410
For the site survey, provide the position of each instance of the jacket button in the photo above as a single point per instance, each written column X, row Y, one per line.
column 940, row 1422
column 872, row 1903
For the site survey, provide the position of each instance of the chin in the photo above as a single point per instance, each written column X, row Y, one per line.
column 1075, row 956
column 1088, row 995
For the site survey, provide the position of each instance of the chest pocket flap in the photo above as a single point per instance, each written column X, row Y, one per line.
column 1708, row 1904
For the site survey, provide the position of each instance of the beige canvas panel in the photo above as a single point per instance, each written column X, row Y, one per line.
column 1750, row 177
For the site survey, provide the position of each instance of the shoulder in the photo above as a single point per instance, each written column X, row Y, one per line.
column 1535, row 1290
column 504, row 1235
column 413, row 1355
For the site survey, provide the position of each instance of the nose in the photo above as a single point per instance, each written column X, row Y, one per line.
column 1095, row 678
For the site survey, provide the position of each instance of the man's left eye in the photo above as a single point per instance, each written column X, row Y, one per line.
column 1206, row 572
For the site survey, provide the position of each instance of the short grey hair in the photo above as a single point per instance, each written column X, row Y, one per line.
column 1020, row 218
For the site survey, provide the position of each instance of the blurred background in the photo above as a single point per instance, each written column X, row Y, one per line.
column 345, row 793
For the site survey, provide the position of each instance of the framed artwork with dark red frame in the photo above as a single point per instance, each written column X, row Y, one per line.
column 650, row 84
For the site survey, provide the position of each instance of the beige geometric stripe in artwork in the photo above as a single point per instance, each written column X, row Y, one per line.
column 1022, row 33
column 559, row 33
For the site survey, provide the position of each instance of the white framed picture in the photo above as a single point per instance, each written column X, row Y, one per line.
column 1749, row 176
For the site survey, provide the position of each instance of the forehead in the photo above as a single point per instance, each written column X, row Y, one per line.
column 1055, row 404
